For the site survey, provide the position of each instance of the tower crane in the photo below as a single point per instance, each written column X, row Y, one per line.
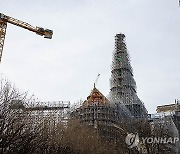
column 4, row 19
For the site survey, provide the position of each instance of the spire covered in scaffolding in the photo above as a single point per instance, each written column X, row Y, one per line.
column 122, row 83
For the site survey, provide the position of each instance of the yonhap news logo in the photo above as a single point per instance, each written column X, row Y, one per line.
column 133, row 140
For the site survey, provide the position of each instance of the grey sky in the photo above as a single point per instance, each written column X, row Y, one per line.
column 65, row 67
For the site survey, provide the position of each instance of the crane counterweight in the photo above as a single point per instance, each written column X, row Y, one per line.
column 46, row 32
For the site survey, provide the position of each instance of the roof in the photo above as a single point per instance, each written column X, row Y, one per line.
column 166, row 108
column 96, row 98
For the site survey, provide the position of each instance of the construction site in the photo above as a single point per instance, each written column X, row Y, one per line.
column 95, row 124
column 123, row 102
column 111, row 117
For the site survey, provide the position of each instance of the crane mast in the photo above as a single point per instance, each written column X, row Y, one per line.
column 3, row 26
column 4, row 19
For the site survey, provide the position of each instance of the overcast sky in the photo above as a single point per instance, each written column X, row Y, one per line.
column 66, row 67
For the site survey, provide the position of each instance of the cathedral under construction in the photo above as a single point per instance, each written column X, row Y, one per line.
column 122, row 103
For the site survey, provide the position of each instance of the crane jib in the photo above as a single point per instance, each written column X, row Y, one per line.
column 38, row 30
column 7, row 19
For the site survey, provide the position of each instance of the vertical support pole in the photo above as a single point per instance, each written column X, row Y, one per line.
column 3, row 26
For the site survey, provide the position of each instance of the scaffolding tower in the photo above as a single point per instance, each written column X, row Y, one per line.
column 122, row 84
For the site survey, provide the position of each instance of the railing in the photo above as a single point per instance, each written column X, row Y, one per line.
column 54, row 105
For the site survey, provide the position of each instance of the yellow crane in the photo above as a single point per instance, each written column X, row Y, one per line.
column 4, row 19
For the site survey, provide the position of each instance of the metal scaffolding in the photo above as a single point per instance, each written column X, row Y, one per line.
column 55, row 111
column 97, row 111
column 122, row 83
